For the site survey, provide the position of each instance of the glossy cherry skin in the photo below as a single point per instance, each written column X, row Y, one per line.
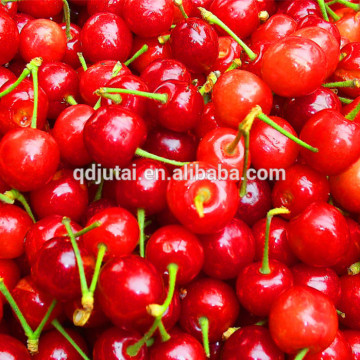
column 228, row 251
column 207, row 121
column 212, row 299
column 353, row 339
column 147, row 190
column 213, row 149
column 9, row 40
column 73, row 46
column 221, row 199
column 105, row 36
column 299, row 110
column 15, row 223
column 112, row 134
column 184, row 102
column 41, row 9
column 44, row 230
column 53, row 346
column 113, row 343
column 195, row 43
column 319, row 236
column 241, row 16
column 269, row 149
column 9, row 8
column 349, row 25
column 301, row 187
column 42, row 38
column 12, row 348
column 180, row 346
column 236, row 93
column 119, row 231
column 55, row 269
column 6, row 75
column 322, row 279
column 34, row 302
column 335, row 137
column 303, row 317
column 162, row 70
column 10, row 273
column 16, row 108
column 251, row 342
column 300, row 9
column 111, row 6
column 95, row 207
column 68, row 133
column 58, row 80
column 126, row 286
column 279, row 248
column 175, row 244
column 63, row 195
column 287, row 57
column 229, row 50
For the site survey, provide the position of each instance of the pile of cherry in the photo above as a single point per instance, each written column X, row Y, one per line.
column 179, row 267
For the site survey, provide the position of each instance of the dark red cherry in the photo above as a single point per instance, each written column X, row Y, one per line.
column 55, row 268
column 211, row 299
column 112, row 134
column 207, row 121
column 9, row 41
column 10, row 273
column 303, row 317
column 195, row 43
column 301, row 187
column 105, row 36
column 251, row 341
column 228, row 251
column 12, row 348
column 95, row 207
column 287, row 57
column 119, row 232
column 41, row 9
column 174, row 244
column 111, row 6
column 126, row 286
column 319, row 236
column 353, row 339
column 113, row 343
column 42, row 38
column 73, row 46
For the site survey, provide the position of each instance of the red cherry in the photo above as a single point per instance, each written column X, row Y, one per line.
column 9, row 41
column 10, row 273
column 287, row 57
column 12, row 348
column 6, row 75
column 254, row 66
column 10, row 8
column 95, row 207
column 353, row 339
column 105, row 36
column 111, row 6
column 207, row 121
column 73, row 46
column 349, row 25
column 299, row 9
column 41, row 9
column 42, row 38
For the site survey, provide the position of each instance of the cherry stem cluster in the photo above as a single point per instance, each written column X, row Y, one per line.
column 9, row 197
column 323, row 9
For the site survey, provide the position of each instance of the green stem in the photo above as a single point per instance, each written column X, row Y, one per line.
column 236, row 63
column 349, row 4
column 204, row 324
column 341, row 314
column 179, row 4
column 265, row 268
column 301, row 354
column 163, row 98
column 145, row 154
column 243, row 187
column 354, row 269
column 16, row 195
column 82, row 61
column 63, row 332
column 163, row 39
column 353, row 113
column 85, row 230
column 99, row 190
column 141, row 222
column 209, row 84
column 67, row 20
column 323, row 9
column 163, row 333
column 100, row 257
column 203, row 195
column 332, row 13
column 70, row 100
column 5, row 199
column 34, row 73
column 355, row 83
column 141, row 51
column 45, row 319
column 117, row 68
column 115, row 98
column 98, row 104
column 213, row 19
column 345, row 100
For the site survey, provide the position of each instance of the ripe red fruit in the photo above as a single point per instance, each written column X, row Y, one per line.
column 9, row 38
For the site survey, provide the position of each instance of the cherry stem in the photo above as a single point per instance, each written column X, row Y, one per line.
column 45, row 319
column 179, row 4
column 263, row 16
column 142, row 50
column 229, row 332
column 82, row 60
column 203, row 195
column 10, row 196
column 85, row 230
column 210, row 82
column 349, row 4
column 141, row 222
column 345, row 100
column 355, row 83
column 63, row 332
column 341, row 314
column 98, row 104
column 34, row 74
column 145, row 154
column 163, row 332
column 116, row 69
column 213, row 19
column 332, row 13
column 163, row 39
column 99, row 190
column 265, row 268
column 243, row 188
column 236, row 63
column 354, row 269
column 100, row 257
column 115, row 98
column 70, row 100
column 204, row 325
column 323, row 9
column 353, row 113
column 301, row 354
column 67, row 20
column 163, row 98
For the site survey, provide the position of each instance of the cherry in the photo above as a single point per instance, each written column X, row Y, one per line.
column 105, row 36
column 55, row 269
column 303, row 318
column 9, row 41
column 254, row 66
column 111, row 6
column 197, row 204
column 42, row 231
column 21, row 20
column 10, row 8
column 12, row 348
column 6, row 75
column 236, row 93
column 41, row 9
column 42, row 38
column 10, row 273
column 349, row 25
column 300, row 9
column 195, row 43
column 350, row 110
column 73, row 46
column 207, row 121
column 126, row 286
column 229, row 54
column 301, row 187
column 353, row 339
column 161, row 70
column 249, row 342
column 287, row 57
column 112, row 345
column 335, row 137
column 228, row 251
